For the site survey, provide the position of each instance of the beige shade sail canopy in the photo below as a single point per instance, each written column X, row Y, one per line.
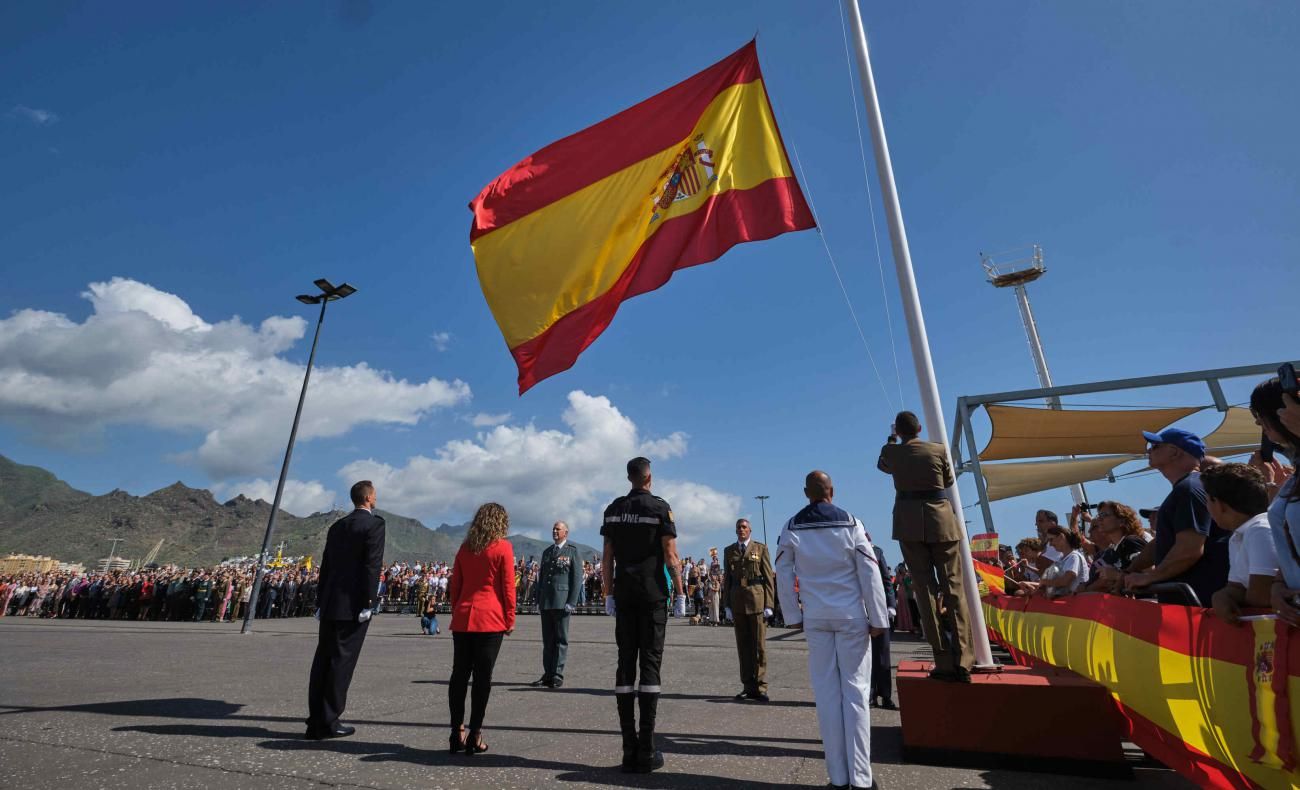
column 1238, row 429
column 1010, row 480
column 1023, row 432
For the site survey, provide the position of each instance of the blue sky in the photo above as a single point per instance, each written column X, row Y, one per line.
column 217, row 158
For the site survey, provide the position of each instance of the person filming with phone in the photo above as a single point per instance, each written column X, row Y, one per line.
column 1269, row 403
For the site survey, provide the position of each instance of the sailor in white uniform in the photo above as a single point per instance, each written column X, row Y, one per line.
column 840, row 605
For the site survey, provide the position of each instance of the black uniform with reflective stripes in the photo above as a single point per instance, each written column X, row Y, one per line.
column 636, row 525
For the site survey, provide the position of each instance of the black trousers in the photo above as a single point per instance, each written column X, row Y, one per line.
column 474, row 653
column 881, row 682
column 555, row 642
column 337, row 649
column 639, row 631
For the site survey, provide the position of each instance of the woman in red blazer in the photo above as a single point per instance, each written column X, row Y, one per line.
column 482, row 595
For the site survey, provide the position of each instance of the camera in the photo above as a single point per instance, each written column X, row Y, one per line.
column 1085, row 506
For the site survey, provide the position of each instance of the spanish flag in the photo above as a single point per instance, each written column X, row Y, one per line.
column 992, row 576
column 563, row 237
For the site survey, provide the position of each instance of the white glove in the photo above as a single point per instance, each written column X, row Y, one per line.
column 893, row 612
column 767, row 612
column 609, row 605
column 679, row 606
column 364, row 616
column 727, row 612
column 568, row 608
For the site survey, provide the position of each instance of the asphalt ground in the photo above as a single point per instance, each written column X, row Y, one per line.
column 96, row 704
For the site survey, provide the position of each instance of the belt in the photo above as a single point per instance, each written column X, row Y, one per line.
column 922, row 496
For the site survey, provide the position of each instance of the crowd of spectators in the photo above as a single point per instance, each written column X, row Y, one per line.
column 172, row 593
column 1224, row 537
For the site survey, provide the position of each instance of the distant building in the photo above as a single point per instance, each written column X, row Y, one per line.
column 114, row 564
column 26, row 563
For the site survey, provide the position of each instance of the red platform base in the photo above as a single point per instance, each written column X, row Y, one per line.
column 1025, row 718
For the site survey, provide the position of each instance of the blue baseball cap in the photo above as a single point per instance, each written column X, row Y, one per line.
column 1186, row 441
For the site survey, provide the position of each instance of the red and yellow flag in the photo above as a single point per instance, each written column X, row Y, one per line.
column 992, row 576
column 563, row 237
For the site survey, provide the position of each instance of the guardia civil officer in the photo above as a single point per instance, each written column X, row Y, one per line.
column 840, row 605
column 640, row 554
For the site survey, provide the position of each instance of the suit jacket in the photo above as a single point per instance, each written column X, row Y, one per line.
column 748, row 584
column 482, row 589
column 350, row 566
column 560, row 578
column 921, row 467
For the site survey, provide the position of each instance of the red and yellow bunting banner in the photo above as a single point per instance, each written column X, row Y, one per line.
column 992, row 577
column 1218, row 703
column 565, row 236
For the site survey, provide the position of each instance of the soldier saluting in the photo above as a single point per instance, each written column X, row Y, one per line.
column 640, row 552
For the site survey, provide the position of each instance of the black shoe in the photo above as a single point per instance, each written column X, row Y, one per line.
column 875, row 785
column 759, row 696
column 544, row 680
column 888, row 704
column 961, row 675
column 628, row 765
column 741, row 697
column 557, row 682
column 336, row 731
column 946, row 675
column 647, row 763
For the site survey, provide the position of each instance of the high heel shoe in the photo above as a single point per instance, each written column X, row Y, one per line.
column 456, row 742
column 474, row 743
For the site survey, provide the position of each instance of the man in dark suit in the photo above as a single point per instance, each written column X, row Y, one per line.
column 558, row 583
column 930, row 535
column 349, row 584
column 748, row 588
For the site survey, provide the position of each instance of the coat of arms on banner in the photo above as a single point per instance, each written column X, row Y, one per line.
column 1264, row 663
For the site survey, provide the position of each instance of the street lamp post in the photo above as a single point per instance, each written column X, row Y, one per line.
column 762, row 501
column 329, row 293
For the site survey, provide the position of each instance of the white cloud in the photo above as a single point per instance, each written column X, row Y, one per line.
column 441, row 340
column 301, row 498
column 144, row 358
column 485, row 420
column 545, row 475
column 35, row 115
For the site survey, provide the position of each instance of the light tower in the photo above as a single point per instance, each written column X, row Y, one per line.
column 1016, row 269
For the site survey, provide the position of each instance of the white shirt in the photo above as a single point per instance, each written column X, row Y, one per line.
column 560, row 545
column 1074, row 561
column 1050, row 552
column 828, row 550
column 1251, row 552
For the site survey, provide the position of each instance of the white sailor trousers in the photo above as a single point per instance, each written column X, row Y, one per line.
column 839, row 663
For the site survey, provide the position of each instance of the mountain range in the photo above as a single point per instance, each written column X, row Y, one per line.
column 40, row 514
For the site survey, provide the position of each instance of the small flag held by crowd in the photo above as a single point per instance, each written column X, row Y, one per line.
column 991, row 577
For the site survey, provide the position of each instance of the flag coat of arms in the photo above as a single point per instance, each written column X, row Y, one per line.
column 566, row 235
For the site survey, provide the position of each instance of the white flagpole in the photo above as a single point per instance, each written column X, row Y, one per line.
column 937, row 429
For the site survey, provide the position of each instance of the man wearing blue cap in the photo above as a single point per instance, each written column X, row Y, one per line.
column 1189, row 547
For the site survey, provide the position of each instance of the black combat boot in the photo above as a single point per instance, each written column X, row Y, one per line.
column 627, row 724
column 647, row 757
